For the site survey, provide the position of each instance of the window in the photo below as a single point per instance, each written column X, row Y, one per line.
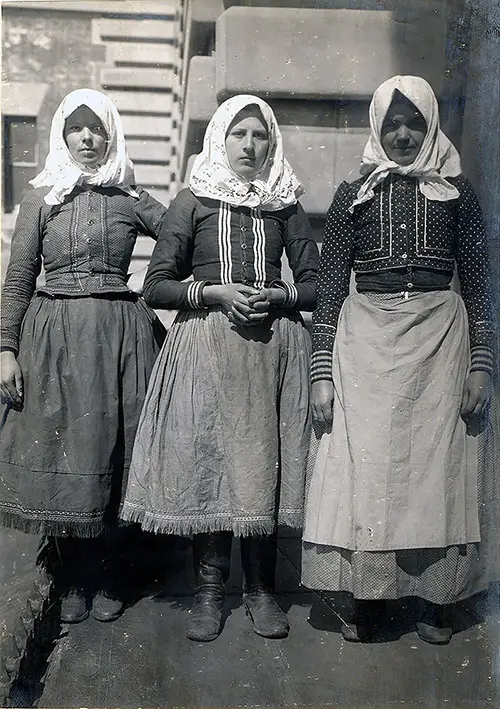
column 20, row 158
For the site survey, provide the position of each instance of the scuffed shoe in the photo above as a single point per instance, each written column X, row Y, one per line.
column 205, row 617
column 105, row 609
column 268, row 619
column 74, row 607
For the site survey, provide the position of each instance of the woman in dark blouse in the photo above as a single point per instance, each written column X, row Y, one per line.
column 223, row 438
column 400, row 370
column 76, row 352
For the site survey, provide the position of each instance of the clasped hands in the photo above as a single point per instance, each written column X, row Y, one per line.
column 244, row 305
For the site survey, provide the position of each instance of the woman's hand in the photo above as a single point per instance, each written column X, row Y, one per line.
column 267, row 297
column 322, row 394
column 11, row 380
column 136, row 280
column 476, row 394
column 235, row 300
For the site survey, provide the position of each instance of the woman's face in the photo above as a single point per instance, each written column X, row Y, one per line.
column 85, row 137
column 247, row 143
column 403, row 132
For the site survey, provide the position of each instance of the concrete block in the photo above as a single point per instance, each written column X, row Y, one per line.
column 156, row 78
column 142, row 102
column 135, row 126
column 149, row 175
column 199, row 28
column 149, row 53
column 163, row 195
column 322, row 160
column 278, row 52
column 149, row 151
column 201, row 102
column 199, row 106
column 107, row 28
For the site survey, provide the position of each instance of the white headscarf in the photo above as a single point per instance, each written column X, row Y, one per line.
column 276, row 185
column 62, row 173
column 437, row 159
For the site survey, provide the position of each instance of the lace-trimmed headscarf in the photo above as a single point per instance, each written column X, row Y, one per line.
column 62, row 173
column 274, row 187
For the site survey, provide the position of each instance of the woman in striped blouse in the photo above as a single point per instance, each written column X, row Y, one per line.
column 223, row 438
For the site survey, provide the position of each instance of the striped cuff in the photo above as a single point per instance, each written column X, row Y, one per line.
column 290, row 291
column 321, row 365
column 481, row 359
column 195, row 294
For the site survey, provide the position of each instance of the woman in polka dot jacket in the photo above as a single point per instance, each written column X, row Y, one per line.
column 401, row 372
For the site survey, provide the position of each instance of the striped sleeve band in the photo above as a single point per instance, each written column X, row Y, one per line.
column 194, row 295
column 290, row 291
column 481, row 359
column 321, row 365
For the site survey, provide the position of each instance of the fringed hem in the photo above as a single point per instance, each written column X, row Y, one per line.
column 185, row 526
column 53, row 528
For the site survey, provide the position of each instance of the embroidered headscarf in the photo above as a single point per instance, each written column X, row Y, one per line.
column 62, row 173
column 274, row 187
column 437, row 159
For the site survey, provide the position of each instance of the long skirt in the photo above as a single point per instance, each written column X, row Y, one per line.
column 395, row 496
column 224, row 434
column 64, row 457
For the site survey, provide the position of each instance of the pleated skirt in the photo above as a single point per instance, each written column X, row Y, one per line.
column 223, row 438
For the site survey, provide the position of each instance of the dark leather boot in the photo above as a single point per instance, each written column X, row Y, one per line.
column 258, row 559
column 211, row 557
column 109, row 571
column 434, row 625
column 71, row 578
column 359, row 627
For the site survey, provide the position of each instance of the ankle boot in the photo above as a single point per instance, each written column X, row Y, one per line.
column 258, row 559
column 359, row 627
column 108, row 605
column 211, row 557
column 70, row 577
column 434, row 625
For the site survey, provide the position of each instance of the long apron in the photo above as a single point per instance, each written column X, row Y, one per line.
column 394, row 472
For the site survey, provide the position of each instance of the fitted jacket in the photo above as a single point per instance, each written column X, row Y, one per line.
column 217, row 243
column 401, row 241
column 85, row 245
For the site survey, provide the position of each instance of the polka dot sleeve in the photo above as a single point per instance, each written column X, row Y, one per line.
column 474, row 276
column 334, row 276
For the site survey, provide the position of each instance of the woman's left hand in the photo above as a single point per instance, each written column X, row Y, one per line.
column 476, row 394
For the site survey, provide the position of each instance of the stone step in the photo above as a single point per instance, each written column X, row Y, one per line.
column 137, row 78
column 149, row 151
column 143, row 102
column 161, row 30
column 132, row 52
column 159, row 126
column 157, row 175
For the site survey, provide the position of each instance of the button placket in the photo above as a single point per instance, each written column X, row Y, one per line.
column 243, row 248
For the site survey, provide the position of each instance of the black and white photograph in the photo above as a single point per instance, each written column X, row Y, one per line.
column 250, row 354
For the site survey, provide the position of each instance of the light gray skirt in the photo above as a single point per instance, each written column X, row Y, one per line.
column 224, row 434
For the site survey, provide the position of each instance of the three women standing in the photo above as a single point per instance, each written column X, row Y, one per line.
column 76, row 352
column 223, row 438
column 400, row 370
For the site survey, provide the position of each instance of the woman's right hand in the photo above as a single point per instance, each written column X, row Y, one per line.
column 11, row 380
column 322, row 394
column 234, row 299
